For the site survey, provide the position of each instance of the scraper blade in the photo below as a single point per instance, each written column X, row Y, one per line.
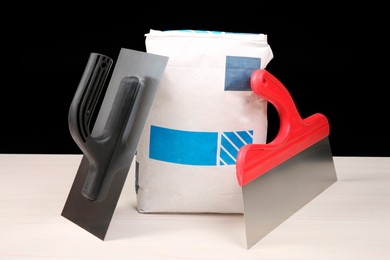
column 281, row 177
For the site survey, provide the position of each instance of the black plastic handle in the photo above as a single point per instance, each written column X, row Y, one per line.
column 99, row 149
column 87, row 96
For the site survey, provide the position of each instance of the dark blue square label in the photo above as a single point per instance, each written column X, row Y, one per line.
column 238, row 72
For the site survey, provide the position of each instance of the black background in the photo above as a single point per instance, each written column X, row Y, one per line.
column 332, row 61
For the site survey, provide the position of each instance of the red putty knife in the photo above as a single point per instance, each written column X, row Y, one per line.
column 282, row 176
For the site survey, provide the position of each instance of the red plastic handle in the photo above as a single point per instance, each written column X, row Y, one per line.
column 295, row 134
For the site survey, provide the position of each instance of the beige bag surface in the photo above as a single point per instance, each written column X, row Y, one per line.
column 202, row 114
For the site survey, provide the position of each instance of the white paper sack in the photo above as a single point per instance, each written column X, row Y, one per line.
column 202, row 114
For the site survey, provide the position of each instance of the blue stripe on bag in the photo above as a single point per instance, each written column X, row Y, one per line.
column 183, row 147
column 196, row 148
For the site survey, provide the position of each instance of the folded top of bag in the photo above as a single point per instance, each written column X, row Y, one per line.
column 205, row 33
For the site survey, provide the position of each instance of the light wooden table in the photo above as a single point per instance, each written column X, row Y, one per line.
column 350, row 220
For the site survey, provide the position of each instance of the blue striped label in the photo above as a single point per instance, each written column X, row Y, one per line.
column 196, row 148
column 231, row 142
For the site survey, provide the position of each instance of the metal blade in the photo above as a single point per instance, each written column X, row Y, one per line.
column 95, row 216
column 276, row 195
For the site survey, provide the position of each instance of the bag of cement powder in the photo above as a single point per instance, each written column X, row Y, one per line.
column 204, row 111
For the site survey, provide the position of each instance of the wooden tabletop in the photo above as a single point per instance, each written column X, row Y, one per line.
column 350, row 220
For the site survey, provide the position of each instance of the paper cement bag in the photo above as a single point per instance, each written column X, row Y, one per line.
column 203, row 112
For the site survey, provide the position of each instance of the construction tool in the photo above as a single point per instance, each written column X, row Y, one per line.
column 280, row 177
column 109, row 138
